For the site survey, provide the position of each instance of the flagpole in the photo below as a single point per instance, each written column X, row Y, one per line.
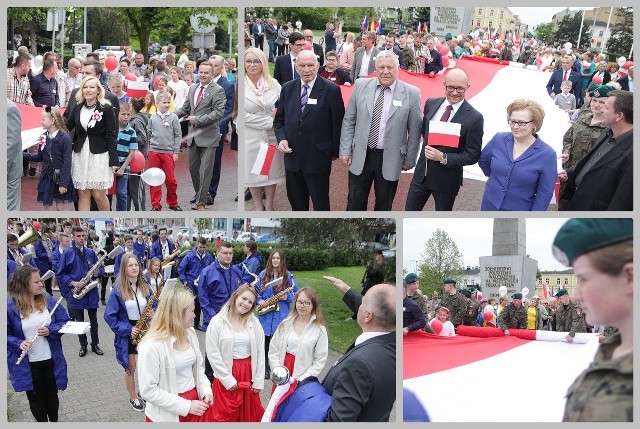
column 580, row 33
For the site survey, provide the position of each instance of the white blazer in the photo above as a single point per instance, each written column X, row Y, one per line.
column 312, row 352
column 157, row 378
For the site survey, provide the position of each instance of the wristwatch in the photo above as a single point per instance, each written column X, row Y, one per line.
column 444, row 159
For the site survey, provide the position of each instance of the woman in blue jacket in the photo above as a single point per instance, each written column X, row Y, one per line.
column 125, row 307
column 43, row 371
column 276, row 267
column 522, row 169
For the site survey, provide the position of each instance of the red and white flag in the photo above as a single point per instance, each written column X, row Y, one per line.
column 545, row 291
column 137, row 89
column 444, row 134
column 264, row 159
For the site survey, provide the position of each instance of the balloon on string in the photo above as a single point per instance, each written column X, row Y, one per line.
column 475, row 43
column 627, row 65
column 488, row 309
column 445, row 62
column 436, row 325
column 153, row 176
column 502, row 291
column 488, row 317
column 438, row 46
column 499, row 46
column 525, row 291
column 308, row 46
column 597, row 79
column 621, row 61
column 131, row 76
column 156, row 79
column 111, row 63
column 36, row 225
column 137, row 163
column 568, row 45
column 444, row 50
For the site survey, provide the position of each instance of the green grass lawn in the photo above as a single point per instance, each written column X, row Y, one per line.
column 341, row 333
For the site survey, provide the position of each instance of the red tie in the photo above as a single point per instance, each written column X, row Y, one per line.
column 200, row 94
column 565, row 76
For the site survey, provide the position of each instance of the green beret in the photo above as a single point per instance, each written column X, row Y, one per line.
column 448, row 36
column 465, row 292
column 401, row 33
column 579, row 236
column 560, row 293
column 449, row 281
column 410, row 278
column 601, row 91
column 527, row 48
column 516, row 295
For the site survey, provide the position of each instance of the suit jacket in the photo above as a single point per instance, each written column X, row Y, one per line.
column 556, row 79
column 313, row 135
column 402, row 132
column 398, row 53
column 14, row 156
column 605, row 79
column 271, row 31
column 609, row 183
column 357, row 61
column 317, row 49
column 448, row 178
column 624, row 83
column 102, row 135
column 435, row 65
column 229, row 92
column 208, row 113
column 283, row 71
column 258, row 34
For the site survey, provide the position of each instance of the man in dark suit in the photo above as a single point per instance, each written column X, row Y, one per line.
column 558, row 76
column 625, row 81
column 434, row 64
column 362, row 382
column 603, row 178
column 439, row 168
column 317, row 49
column 389, row 45
column 258, row 34
column 285, row 69
column 307, row 127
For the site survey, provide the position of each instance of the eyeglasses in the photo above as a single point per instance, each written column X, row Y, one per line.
column 518, row 123
column 303, row 303
column 330, row 59
column 253, row 63
column 299, row 45
column 460, row 89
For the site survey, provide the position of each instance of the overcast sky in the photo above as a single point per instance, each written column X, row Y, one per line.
column 474, row 239
column 533, row 16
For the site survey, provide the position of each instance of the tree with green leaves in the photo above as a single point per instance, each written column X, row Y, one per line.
column 441, row 259
column 29, row 19
column 543, row 31
column 332, row 233
column 621, row 40
column 569, row 30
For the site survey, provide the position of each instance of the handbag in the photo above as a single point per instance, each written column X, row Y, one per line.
column 56, row 171
column 234, row 136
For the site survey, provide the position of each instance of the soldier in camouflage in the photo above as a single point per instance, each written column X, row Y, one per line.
column 454, row 301
column 569, row 316
column 514, row 315
column 415, row 294
column 601, row 254
column 471, row 308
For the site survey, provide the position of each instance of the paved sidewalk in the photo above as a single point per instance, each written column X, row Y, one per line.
column 96, row 390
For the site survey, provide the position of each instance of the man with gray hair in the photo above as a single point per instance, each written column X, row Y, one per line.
column 74, row 77
column 307, row 127
column 380, row 134
column 365, row 56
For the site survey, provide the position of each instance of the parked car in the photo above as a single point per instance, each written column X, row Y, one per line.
column 245, row 236
column 374, row 245
column 389, row 253
column 268, row 238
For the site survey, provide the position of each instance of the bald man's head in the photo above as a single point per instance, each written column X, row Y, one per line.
column 378, row 309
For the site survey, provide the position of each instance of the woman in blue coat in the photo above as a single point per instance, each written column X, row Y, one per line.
column 522, row 169
column 43, row 371
column 276, row 267
column 125, row 307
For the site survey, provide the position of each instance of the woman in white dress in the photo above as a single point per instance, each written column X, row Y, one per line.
column 94, row 158
column 261, row 94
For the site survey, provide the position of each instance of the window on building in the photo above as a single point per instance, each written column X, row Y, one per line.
column 566, row 280
column 558, row 281
column 490, row 12
column 547, row 281
column 478, row 23
column 490, row 24
column 501, row 14
column 479, row 11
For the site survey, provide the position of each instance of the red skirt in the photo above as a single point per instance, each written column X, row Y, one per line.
column 191, row 395
column 289, row 361
column 240, row 405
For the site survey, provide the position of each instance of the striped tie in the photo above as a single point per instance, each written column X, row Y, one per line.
column 375, row 119
column 304, row 97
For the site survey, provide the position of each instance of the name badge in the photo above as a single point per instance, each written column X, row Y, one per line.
column 312, row 101
column 397, row 103
column 333, row 78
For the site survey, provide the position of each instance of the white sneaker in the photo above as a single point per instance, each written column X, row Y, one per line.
column 136, row 405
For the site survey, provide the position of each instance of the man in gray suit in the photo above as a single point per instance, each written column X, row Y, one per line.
column 14, row 155
column 203, row 107
column 365, row 56
column 380, row 134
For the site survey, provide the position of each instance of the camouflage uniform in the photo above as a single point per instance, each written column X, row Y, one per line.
column 604, row 391
column 408, row 57
column 506, row 54
column 471, row 312
column 421, row 301
column 513, row 318
column 570, row 319
column 457, row 307
column 526, row 58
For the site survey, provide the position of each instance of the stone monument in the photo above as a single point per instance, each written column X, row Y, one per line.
column 509, row 264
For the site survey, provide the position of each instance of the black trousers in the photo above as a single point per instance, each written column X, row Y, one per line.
column 419, row 194
column 301, row 186
column 47, row 286
column 93, row 319
column 43, row 399
column 360, row 185
column 197, row 310
column 267, row 341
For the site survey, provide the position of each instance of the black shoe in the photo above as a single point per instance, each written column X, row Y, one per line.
column 103, row 302
column 83, row 351
column 209, row 200
column 97, row 350
column 193, row 200
column 155, row 209
column 32, row 171
column 247, row 194
column 236, row 200
column 176, row 209
column 198, row 328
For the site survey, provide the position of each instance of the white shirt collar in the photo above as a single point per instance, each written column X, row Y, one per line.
column 367, row 336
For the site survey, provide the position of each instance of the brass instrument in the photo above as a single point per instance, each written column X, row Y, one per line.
column 29, row 237
column 87, row 285
column 255, row 276
column 179, row 252
column 271, row 304
column 143, row 323
column 35, row 336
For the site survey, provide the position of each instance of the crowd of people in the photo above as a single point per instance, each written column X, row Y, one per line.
column 253, row 319
column 106, row 129
column 379, row 133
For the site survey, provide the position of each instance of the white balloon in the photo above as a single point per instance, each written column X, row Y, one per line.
column 525, row 291
column 153, row 176
column 488, row 309
column 502, row 290
column 621, row 61
column 452, row 64
column 568, row 45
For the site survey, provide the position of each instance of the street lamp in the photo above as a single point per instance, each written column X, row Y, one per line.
column 416, row 262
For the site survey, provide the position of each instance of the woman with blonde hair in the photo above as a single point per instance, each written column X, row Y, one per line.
column 261, row 94
column 149, row 103
column 153, row 274
column 235, row 348
column 171, row 367
column 300, row 343
column 125, row 308
column 94, row 159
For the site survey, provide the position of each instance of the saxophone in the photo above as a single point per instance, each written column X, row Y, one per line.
column 271, row 304
column 255, row 277
column 86, row 283
column 144, row 321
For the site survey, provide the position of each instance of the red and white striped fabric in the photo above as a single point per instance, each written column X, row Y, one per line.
column 137, row 89
column 444, row 134
column 264, row 159
column 481, row 375
column 31, row 128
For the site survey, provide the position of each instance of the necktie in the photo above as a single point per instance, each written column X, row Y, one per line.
column 200, row 94
column 446, row 114
column 375, row 119
column 304, row 97
column 565, row 76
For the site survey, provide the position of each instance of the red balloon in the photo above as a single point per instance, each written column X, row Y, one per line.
column 627, row 65
column 156, row 78
column 531, row 42
column 444, row 50
column 597, row 79
column 130, row 76
column 36, row 225
column 438, row 46
column 137, row 163
column 111, row 63
column 499, row 46
column 436, row 325
column 488, row 317
column 475, row 43
column 308, row 46
column 445, row 61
